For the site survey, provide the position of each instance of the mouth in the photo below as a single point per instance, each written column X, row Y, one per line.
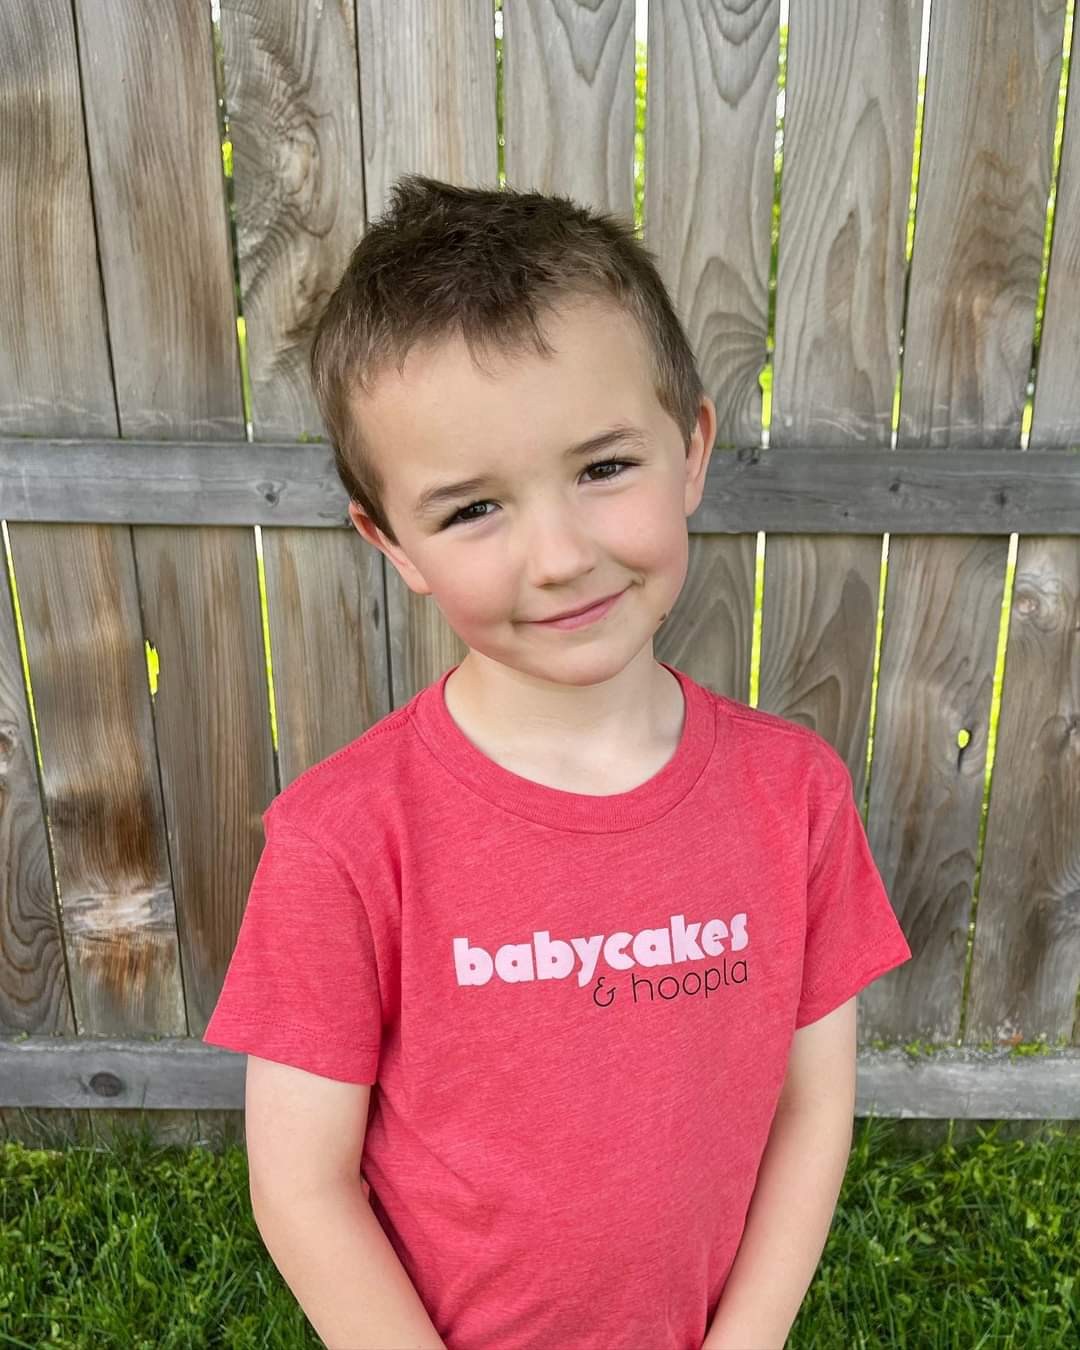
column 578, row 617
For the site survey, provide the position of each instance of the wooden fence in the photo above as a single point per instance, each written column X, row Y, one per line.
column 130, row 482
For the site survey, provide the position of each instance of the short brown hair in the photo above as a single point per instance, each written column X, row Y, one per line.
column 482, row 263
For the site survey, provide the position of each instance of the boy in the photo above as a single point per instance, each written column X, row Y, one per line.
column 591, row 931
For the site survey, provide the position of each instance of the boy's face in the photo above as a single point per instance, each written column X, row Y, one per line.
column 543, row 533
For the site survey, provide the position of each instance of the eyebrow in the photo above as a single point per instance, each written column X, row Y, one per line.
column 432, row 501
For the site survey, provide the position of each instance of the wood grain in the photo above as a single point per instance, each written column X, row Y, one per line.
column 568, row 97
column 181, row 1072
column 711, row 110
column 155, row 155
column 1057, row 409
column 293, row 104
column 102, row 955
column 816, row 489
column 711, row 118
column 984, row 178
column 849, row 127
column 54, row 378
column 54, row 360
column 1026, row 961
column 985, row 174
column 852, row 85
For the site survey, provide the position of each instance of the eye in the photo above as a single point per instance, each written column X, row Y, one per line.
column 461, row 515
column 618, row 464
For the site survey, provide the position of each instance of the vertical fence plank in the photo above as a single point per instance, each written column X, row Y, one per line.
column 80, row 605
column 34, row 991
column 987, row 153
column 54, row 360
column 568, row 101
column 292, row 99
column 44, row 285
column 849, row 125
column 1026, row 963
column 105, row 961
column 148, row 88
column 711, row 118
column 1056, row 420
column 424, row 111
column 985, row 174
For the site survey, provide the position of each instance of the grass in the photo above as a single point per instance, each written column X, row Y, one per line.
column 968, row 1244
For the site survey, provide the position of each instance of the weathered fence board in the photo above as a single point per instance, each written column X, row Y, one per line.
column 155, row 160
column 33, row 987
column 926, row 789
column 98, row 782
column 1026, row 963
column 984, row 177
column 992, row 82
column 568, row 99
column 849, row 125
column 292, row 99
column 1056, row 420
column 712, row 84
column 812, row 488
column 54, row 380
column 1026, row 967
column 111, row 958
column 170, row 1074
column 54, row 360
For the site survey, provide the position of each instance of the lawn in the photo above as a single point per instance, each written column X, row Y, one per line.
column 967, row 1243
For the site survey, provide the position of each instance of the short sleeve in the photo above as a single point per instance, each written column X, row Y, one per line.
column 852, row 934
column 301, row 987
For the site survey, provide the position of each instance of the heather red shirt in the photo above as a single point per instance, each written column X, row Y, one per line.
column 577, row 1010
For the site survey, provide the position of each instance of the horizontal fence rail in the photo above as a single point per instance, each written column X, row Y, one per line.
column 808, row 489
column 180, row 1073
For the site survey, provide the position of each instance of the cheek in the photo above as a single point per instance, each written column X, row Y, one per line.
column 655, row 539
column 472, row 592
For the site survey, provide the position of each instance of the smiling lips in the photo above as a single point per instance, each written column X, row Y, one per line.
column 584, row 615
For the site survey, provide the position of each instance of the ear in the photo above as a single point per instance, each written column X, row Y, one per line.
column 366, row 527
column 698, row 453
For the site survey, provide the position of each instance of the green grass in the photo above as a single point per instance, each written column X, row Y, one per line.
column 965, row 1244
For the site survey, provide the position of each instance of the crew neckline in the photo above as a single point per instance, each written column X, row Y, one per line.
column 571, row 810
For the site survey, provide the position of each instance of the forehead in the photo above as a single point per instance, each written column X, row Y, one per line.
column 443, row 418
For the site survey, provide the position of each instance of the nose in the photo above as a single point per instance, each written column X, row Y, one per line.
column 558, row 547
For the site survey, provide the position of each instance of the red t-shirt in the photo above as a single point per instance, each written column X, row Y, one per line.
column 577, row 1009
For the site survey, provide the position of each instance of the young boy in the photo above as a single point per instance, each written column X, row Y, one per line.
column 565, row 949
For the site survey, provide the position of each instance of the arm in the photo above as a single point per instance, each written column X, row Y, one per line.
column 798, row 1182
column 333, row 1254
column 305, row 1138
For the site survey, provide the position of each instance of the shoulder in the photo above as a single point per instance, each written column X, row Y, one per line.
column 781, row 752
column 343, row 792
